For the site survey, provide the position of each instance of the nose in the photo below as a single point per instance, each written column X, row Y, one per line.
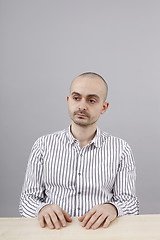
column 82, row 106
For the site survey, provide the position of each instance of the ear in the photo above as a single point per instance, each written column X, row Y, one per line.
column 105, row 106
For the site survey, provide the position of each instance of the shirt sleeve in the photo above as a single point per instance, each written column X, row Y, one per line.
column 33, row 196
column 124, row 191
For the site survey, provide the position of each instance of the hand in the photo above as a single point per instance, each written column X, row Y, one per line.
column 53, row 215
column 99, row 214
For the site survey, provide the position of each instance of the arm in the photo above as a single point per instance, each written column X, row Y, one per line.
column 124, row 193
column 33, row 196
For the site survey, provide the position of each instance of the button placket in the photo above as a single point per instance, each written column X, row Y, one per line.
column 79, row 187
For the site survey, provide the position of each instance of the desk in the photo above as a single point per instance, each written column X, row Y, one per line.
column 131, row 227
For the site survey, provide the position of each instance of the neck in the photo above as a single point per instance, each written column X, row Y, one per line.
column 83, row 134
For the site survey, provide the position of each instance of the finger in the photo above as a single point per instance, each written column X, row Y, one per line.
column 98, row 222
column 81, row 218
column 61, row 217
column 48, row 221
column 92, row 220
column 41, row 221
column 55, row 220
column 107, row 222
column 67, row 216
column 87, row 217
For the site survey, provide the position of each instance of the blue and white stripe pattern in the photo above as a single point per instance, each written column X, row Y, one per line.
column 60, row 172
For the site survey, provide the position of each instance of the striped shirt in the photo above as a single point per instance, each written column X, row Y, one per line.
column 60, row 172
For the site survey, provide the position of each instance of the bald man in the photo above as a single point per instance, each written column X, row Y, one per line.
column 80, row 171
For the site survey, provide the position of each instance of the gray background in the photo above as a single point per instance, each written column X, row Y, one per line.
column 44, row 45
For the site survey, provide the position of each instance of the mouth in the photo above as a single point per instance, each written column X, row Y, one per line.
column 81, row 115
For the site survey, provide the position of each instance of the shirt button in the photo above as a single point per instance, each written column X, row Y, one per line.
column 78, row 208
column 79, row 173
column 79, row 192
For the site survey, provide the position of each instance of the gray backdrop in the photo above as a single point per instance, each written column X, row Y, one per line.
column 44, row 45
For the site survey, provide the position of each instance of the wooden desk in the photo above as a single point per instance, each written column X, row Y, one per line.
column 142, row 227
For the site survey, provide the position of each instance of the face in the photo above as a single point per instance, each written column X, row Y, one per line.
column 86, row 101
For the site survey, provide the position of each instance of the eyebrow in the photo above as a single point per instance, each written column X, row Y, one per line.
column 90, row 95
column 76, row 93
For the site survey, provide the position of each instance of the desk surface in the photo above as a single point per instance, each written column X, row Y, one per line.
column 141, row 227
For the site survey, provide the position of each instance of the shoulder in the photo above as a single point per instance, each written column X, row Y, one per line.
column 114, row 141
column 117, row 146
column 49, row 138
column 108, row 137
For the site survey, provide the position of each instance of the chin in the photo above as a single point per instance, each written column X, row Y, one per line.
column 81, row 123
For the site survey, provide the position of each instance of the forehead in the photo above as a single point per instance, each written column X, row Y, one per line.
column 88, row 86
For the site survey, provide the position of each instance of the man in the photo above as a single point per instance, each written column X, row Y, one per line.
column 80, row 171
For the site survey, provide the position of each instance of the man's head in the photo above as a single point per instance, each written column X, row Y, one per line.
column 86, row 102
column 92, row 76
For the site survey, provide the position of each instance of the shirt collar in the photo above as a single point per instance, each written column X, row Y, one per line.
column 97, row 140
column 69, row 135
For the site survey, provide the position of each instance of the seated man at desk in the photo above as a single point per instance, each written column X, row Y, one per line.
column 81, row 171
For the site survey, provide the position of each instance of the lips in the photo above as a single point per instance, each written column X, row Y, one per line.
column 81, row 115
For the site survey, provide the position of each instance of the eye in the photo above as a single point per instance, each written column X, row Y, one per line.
column 92, row 101
column 76, row 98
